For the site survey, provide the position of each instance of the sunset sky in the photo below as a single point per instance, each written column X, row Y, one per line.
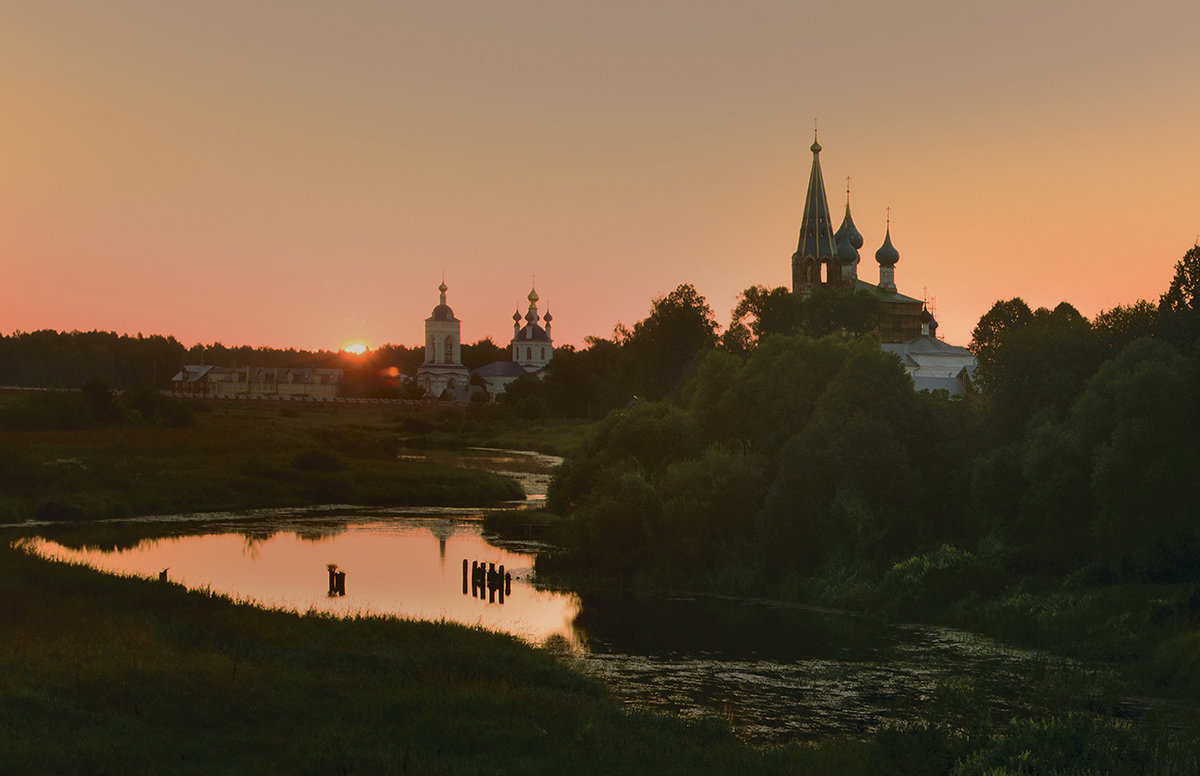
column 300, row 174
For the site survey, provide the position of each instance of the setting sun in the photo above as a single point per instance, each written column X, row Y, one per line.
column 357, row 348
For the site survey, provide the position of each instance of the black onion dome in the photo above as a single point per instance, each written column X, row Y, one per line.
column 846, row 252
column 848, row 230
column 887, row 255
column 925, row 316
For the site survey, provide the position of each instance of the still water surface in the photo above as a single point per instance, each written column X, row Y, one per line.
column 773, row 672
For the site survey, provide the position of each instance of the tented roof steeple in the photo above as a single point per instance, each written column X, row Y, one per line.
column 816, row 227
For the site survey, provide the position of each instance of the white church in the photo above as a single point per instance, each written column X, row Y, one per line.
column 443, row 375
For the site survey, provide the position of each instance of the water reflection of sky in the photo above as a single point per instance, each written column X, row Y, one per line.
column 408, row 567
column 774, row 672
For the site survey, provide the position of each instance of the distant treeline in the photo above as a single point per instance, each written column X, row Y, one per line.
column 51, row 359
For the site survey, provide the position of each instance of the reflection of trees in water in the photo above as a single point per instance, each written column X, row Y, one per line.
column 320, row 532
column 252, row 540
column 116, row 536
column 735, row 629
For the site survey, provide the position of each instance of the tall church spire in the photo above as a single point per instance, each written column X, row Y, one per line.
column 817, row 244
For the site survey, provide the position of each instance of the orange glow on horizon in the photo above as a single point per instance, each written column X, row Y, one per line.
column 268, row 187
column 356, row 349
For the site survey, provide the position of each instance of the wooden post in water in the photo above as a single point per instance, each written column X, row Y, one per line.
column 464, row 576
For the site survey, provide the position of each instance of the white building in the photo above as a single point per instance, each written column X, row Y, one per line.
column 443, row 375
column 932, row 363
column 257, row 382
column 531, row 349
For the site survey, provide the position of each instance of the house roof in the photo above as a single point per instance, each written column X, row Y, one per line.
column 925, row 345
column 886, row 296
column 193, row 373
column 532, row 332
column 500, row 369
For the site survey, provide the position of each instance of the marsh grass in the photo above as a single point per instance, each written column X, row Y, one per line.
column 232, row 458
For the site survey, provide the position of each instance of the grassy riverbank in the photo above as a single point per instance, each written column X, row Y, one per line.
column 240, row 457
column 101, row 674
column 110, row 675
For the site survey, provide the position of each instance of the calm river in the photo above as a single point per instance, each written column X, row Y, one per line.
column 773, row 672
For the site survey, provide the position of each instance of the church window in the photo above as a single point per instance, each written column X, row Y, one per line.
column 528, row 354
column 449, row 355
column 543, row 354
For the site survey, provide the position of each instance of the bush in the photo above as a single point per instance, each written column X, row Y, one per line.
column 929, row 583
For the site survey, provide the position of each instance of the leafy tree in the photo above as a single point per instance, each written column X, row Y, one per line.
column 1179, row 306
column 482, row 353
column 1004, row 317
column 1138, row 420
column 644, row 438
column 849, row 485
column 767, row 399
column 840, row 311
column 586, row 383
column 526, row 397
column 660, row 349
column 1035, row 366
column 708, row 505
column 763, row 311
column 1123, row 324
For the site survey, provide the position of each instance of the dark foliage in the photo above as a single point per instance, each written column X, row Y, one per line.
column 788, row 457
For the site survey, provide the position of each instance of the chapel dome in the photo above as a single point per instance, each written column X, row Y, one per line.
column 442, row 313
column 846, row 252
column 887, row 255
column 849, row 231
